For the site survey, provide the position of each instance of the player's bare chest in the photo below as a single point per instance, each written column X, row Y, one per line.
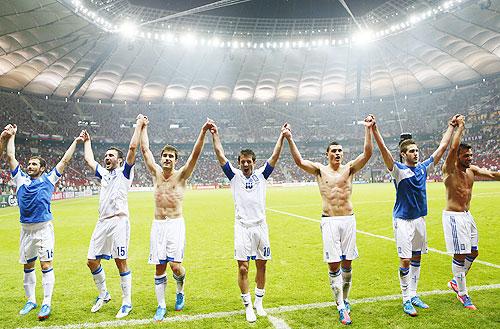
column 333, row 179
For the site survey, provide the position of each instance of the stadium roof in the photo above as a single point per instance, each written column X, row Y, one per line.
column 47, row 47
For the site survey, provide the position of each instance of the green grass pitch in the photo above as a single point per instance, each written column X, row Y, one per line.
column 296, row 275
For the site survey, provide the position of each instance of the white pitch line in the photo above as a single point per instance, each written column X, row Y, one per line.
column 376, row 236
column 278, row 323
column 273, row 310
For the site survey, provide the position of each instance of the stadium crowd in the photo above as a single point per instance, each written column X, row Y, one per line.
column 47, row 126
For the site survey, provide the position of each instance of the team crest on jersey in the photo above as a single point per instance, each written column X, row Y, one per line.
column 251, row 182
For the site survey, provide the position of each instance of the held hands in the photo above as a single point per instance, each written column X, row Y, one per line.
column 209, row 125
column 286, row 131
column 9, row 131
column 81, row 137
column 84, row 135
column 369, row 121
column 142, row 120
column 457, row 120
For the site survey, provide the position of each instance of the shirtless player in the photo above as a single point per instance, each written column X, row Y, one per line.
column 338, row 224
column 168, row 233
column 460, row 231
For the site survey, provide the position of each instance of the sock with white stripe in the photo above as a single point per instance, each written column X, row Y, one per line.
column 126, row 284
column 457, row 267
column 180, row 281
column 346, row 282
column 404, row 279
column 100, row 281
column 336, row 285
column 414, row 277
column 468, row 263
column 30, row 284
column 48, row 280
column 160, row 285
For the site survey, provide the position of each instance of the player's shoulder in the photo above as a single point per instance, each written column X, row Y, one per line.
column 399, row 165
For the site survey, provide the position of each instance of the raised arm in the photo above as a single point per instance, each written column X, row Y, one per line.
column 4, row 137
column 386, row 154
column 306, row 165
column 450, row 162
column 358, row 163
column 219, row 151
column 149, row 159
column 61, row 165
column 11, row 131
column 88, row 154
column 438, row 153
column 188, row 168
column 278, row 147
column 483, row 172
column 134, row 142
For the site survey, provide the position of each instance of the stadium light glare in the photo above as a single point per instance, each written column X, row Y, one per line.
column 128, row 29
column 189, row 40
column 364, row 37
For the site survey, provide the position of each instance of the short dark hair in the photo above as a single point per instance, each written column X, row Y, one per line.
column 331, row 143
column 120, row 153
column 464, row 146
column 247, row 152
column 42, row 161
column 170, row 148
column 403, row 146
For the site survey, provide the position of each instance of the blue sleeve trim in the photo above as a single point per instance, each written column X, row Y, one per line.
column 429, row 161
column 97, row 174
column 57, row 172
column 267, row 170
column 228, row 171
column 126, row 170
column 14, row 172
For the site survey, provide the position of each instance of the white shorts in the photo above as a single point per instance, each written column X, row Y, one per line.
column 411, row 236
column 460, row 232
column 167, row 242
column 110, row 239
column 339, row 238
column 251, row 242
column 37, row 241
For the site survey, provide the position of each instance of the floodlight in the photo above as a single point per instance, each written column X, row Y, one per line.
column 128, row 29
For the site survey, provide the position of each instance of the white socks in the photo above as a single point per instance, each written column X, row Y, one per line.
column 414, row 277
column 160, row 285
column 457, row 267
column 30, row 284
column 346, row 281
column 336, row 285
column 100, row 281
column 126, row 284
column 259, row 295
column 404, row 279
column 180, row 281
column 249, row 313
column 48, row 280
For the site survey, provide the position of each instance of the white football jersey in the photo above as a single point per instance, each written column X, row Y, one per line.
column 113, row 197
column 249, row 193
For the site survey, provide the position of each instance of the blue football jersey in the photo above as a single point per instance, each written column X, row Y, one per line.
column 411, row 193
column 34, row 195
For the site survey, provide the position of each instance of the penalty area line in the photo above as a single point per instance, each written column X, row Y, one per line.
column 278, row 323
column 377, row 236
